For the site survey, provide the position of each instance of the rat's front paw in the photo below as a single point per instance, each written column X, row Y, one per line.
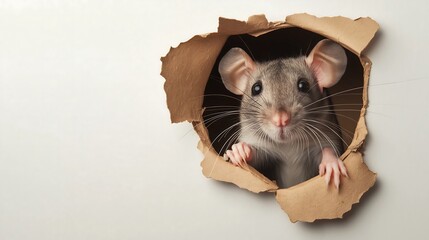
column 240, row 153
column 332, row 167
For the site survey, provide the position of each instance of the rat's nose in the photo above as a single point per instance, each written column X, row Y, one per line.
column 280, row 118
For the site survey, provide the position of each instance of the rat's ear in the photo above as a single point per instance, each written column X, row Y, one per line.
column 235, row 69
column 328, row 63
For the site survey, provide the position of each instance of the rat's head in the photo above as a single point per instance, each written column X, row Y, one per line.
column 277, row 95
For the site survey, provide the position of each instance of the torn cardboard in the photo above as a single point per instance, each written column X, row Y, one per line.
column 188, row 68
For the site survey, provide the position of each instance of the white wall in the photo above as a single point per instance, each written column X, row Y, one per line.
column 87, row 150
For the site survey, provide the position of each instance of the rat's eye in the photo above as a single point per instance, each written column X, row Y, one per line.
column 303, row 85
column 256, row 88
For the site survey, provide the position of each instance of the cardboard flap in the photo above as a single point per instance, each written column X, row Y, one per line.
column 355, row 35
column 186, row 70
column 248, row 178
column 313, row 200
column 234, row 27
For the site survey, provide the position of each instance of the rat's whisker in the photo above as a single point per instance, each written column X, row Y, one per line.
column 329, row 140
column 325, row 125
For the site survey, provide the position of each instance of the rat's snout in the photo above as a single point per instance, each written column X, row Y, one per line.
column 280, row 118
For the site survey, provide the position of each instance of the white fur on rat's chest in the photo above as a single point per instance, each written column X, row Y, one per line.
column 294, row 162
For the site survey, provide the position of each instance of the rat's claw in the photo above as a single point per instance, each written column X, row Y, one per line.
column 336, row 175
column 332, row 167
column 239, row 154
column 238, row 151
column 328, row 175
column 237, row 157
column 234, row 158
column 343, row 168
column 332, row 171
column 322, row 169
column 231, row 157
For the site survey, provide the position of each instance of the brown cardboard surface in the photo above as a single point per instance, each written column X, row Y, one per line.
column 248, row 178
column 352, row 34
column 313, row 200
column 214, row 166
column 187, row 69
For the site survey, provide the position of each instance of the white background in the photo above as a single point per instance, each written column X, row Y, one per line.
column 87, row 150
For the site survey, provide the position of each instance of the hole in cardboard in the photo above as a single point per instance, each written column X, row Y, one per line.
column 222, row 123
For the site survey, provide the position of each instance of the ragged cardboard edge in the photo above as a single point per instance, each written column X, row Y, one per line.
column 216, row 167
column 185, row 84
column 187, row 68
column 248, row 178
column 313, row 200
column 361, row 130
column 255, row 25
column 354, row 35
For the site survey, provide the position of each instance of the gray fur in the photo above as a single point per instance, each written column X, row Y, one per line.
column 295, row 158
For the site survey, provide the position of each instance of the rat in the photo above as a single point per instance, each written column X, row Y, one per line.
column 288, row 129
